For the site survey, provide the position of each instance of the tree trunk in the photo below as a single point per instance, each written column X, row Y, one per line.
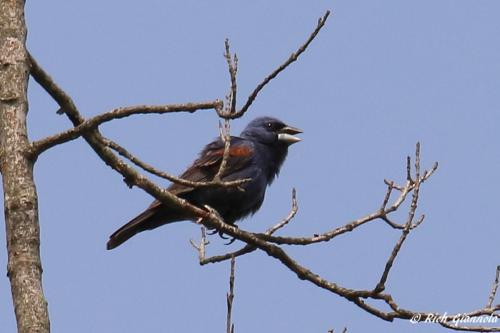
column 24, row 267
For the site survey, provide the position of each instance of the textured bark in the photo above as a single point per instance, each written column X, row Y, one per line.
column 21, row 207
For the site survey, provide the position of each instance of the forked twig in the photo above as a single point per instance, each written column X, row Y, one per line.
column 203, row 243
column 293, row 57
column 249, row 248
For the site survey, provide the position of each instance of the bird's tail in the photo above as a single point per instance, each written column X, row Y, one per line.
column 138, row 224
column 154, row 216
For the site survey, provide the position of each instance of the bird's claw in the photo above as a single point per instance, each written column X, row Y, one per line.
column 221, row 234
column 231, row 241
column 212, row 232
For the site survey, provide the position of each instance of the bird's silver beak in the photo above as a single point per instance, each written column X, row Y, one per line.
column 286, row 135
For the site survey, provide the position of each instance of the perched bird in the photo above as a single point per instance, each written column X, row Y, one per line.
column 257, row 153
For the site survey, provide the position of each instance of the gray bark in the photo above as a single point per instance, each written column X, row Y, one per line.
column 24, row 267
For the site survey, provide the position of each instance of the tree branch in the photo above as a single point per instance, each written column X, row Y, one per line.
column 42, row 145
column 293, row 57
column 95, row 140
column 81, row 126
column 249, row 248
column 353, row 295
column 379, row 214
column 149, row 168
column 232, row 64
column 409, row 222
column 43, row 78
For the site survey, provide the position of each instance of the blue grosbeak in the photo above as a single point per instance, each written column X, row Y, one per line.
column 257, row 153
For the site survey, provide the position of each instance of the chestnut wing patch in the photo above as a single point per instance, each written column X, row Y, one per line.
column 236, row 154
column 207, row 165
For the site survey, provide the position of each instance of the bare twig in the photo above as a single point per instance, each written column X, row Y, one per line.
column 293, row 57
column 289, row 217
column 232, row 64
column 327, row 236
column 95, row 140
column 203, row 243
column 71, row 134
column 379, row 214
column 123, row 152
column 226, row 138
column 80, row 125
column 494, row 288
column 43, row 78
column 355, row 296
column 249, row 248
column 381, row 284
column 390, row 187
column 409, row 222
column 230, row 298
column 230, row 107
column 408, row 169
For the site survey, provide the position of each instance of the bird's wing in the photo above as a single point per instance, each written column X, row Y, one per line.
column 208, row 163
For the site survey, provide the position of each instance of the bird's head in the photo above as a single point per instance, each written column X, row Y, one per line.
column 271, row 131
column 276, row 136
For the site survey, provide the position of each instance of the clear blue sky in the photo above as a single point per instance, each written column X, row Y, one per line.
column 381, row 76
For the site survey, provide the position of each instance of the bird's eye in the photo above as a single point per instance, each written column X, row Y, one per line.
column 269, row 125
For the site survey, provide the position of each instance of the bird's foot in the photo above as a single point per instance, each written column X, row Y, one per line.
column 231, row 241
column 221, row 235
column 212, row 232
